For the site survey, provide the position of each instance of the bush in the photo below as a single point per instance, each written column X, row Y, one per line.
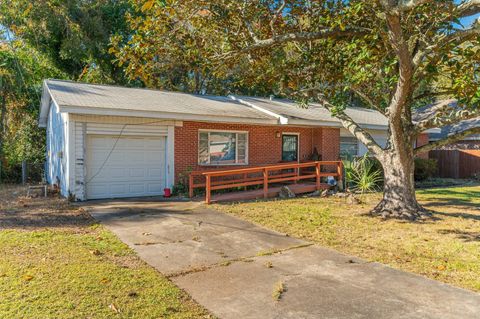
column 425, row 168
column 363, row 174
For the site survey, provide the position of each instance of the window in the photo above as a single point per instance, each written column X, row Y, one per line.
column 289, row 148
column 348, row 147
column 222, row 148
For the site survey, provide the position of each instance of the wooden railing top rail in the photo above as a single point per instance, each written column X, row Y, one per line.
column 268, row 168
column 234, row 167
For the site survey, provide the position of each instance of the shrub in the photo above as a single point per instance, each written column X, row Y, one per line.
column 181, row 187
column 363, row 174
column 425, row 168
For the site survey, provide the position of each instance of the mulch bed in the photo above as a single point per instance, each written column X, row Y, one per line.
column 19, row 211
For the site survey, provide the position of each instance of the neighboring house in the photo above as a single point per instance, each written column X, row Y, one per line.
column 471, row 142
column 108, row 141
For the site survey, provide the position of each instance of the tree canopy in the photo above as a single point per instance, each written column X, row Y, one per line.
column 389, row 55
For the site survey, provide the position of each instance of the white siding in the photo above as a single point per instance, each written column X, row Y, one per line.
column 79, row 180
column 56, row 163
column 379, row 136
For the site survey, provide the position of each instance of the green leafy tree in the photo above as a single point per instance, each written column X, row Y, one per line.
column 73, row 34
column 391, row 55
column 22, row 70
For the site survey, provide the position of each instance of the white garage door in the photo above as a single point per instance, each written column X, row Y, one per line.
column 135, row 167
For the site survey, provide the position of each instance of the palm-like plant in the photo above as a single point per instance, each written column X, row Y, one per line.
column 362, row 175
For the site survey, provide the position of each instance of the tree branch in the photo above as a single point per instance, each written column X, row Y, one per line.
column 348, row 123
column 449, row 140
column 407, row 5
column 367, row 99
column 448, row 119
column 441, row 114
column 275, row 17
column 300, row 37
column 468, row 8
column 458, row 37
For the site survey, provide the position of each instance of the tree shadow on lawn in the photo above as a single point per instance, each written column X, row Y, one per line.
column 467, row 236
column 449, row 197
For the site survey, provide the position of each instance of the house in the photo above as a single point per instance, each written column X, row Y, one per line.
column 471, row 142
column 109, row 141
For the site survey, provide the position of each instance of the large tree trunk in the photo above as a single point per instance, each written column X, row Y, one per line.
column 399, row 199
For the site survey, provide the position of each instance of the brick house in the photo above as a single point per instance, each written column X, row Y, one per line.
column 109, row 141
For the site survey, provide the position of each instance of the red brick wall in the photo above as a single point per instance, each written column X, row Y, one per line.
column 263, row 145
column 422, row 139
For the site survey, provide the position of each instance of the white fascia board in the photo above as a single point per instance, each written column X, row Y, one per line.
column 433, row 130
column 281, row 119
column 44, row 105
column 164, row 115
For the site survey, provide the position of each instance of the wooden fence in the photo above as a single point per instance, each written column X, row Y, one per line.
column 457, row 163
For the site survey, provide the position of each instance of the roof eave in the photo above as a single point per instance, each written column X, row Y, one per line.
column 164, row 115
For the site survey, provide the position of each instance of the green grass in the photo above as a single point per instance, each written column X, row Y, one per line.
column 445, row 248
column 79, row 272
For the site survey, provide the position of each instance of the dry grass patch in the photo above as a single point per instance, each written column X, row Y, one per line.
column 445, row 248
column 56, row 262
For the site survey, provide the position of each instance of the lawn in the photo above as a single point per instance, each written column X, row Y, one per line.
column 56, row 262
column 445, row 247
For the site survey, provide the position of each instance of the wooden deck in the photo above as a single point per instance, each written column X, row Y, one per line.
column 300, row 188
column 301, row 178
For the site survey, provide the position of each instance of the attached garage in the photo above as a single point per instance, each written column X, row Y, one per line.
column 125, row 166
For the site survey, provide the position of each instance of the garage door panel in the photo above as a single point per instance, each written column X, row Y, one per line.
column 135, row 167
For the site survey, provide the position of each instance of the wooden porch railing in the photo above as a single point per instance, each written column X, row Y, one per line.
column 265, row 175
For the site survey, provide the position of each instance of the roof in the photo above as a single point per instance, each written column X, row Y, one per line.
column 430, row 110
column 316, row 112
column 83, row 98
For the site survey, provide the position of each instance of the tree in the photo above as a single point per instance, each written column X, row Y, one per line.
column 73, row 34
column 392, row 55
column 22, row 70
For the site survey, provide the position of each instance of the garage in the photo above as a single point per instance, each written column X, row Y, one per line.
column 125, row 166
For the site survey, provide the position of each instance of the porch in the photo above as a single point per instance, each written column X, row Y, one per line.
column 267, row 180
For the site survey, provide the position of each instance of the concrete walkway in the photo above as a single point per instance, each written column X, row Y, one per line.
column 234, row 268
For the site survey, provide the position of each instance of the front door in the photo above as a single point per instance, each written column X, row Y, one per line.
column 289, row 148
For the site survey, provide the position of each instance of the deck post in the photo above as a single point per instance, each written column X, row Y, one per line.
column 265, row 183
column 208, row 189
column 190, row 185
column 317, row 172
column 340, row 172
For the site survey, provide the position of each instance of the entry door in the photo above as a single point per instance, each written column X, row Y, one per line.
column 125, row 167
column 289, row 148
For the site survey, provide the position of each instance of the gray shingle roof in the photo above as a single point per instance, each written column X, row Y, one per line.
column 429, row 111
column 107, row 98
column 67, row 93
column 316, row 112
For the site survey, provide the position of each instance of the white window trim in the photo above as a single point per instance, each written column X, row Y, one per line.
column 298, row 143
column 236, row 148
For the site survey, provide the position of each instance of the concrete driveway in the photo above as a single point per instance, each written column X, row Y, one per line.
column 236, row 269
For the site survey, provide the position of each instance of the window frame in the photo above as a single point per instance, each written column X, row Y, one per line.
column 298, row 145
column 236, row 147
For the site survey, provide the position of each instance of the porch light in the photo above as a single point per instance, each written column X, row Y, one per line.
column 277, row 134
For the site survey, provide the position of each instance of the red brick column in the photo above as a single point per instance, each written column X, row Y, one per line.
column 422, row 139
